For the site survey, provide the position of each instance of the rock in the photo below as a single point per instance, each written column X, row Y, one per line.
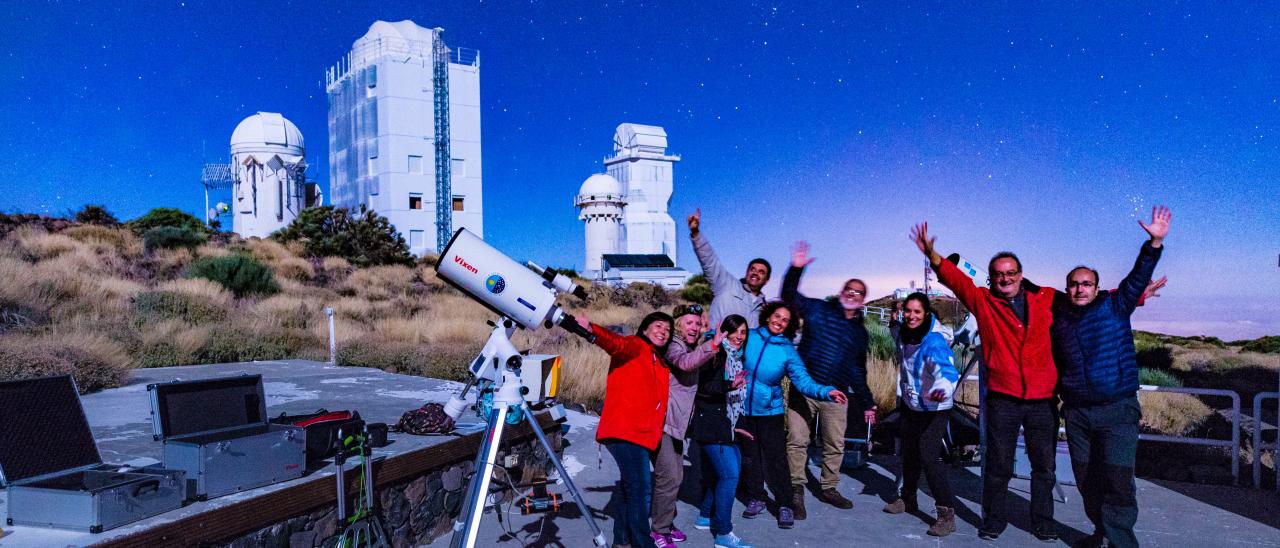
column 327, row 526
column 303, row 539
column 452, row 478
column 416, row 492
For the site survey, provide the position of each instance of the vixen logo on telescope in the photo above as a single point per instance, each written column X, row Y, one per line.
column 458, row 259
column 495, row 284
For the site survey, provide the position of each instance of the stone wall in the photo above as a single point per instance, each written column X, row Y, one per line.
column 414, row 512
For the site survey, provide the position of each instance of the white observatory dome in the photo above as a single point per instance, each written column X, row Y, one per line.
column 267, row 132
column 601, row 184
column 403, row 30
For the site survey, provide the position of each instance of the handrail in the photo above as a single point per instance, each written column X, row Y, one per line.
column 1234, row 444
column 1257, row 440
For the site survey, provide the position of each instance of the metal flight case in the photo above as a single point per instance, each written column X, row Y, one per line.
column 218, row 432
column 55, row 475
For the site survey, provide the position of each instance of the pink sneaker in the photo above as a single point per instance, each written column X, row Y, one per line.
column 661, row 541
column 677, row 535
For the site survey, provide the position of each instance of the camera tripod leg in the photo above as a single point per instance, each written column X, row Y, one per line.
column 598, row 537
column 464, row 530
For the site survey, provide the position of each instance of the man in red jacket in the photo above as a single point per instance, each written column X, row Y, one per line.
column 1013, row 320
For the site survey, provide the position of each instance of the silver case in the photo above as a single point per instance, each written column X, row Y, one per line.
column 144, row 493
column 249, row 456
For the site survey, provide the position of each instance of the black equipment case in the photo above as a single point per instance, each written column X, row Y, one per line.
column 322, row 429
column 217, row 431
column 55, row 475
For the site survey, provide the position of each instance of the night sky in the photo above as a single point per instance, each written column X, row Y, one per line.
column 1045, row 130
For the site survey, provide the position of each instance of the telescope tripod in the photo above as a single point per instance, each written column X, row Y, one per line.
column 507, row 393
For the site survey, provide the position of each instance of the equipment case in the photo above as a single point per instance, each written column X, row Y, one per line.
column 216, row 430
column 55, row 475
column 322, row 429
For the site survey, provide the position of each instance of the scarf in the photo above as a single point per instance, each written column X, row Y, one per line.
column 733, row 365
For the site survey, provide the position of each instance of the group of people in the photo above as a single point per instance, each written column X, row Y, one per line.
column 715, row 376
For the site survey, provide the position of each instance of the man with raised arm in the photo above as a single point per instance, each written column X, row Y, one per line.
column 834, row 349
column 1013, row 320
column 730, row 295
column 1098, row 382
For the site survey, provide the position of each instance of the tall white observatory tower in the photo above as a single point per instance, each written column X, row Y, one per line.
column 404, row 132
column 268, row 173
column 600, row 206
column 641, row 163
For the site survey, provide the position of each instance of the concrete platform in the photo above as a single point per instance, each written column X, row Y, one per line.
column 1171, row 514
column 121, row 423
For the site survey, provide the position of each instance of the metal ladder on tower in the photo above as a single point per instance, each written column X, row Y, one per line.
column 444, row 187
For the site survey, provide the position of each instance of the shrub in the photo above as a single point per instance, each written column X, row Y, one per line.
column 102, row 239
column 95, row 361
column 96, row 215
column 1157, row 377
column 363, row 239
column 1157, row 358
column 1172, row 414
column 171, row 237
column 165, row 216
column 241, row 274
column 642, row 295
column 195, row 302
column 697, row 293
column 881, row 345
column 443, row 362
column 1264, row 345
column 239, row 343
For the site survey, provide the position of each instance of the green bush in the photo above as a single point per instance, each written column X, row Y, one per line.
column 881, row 345
column 1158, row 358
column 697, row 290
column 240, row 274
column 96, row 215
column 363, row 239
column 1264, row 345
column 1155, row 377
column 171, row 237
column 166, row 216
column 150, row 306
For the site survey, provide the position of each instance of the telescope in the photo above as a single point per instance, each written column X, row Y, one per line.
column 523, row 296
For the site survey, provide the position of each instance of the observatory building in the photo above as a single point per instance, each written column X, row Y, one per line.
column 404, row 132
column 267, row 175
column 630, row 237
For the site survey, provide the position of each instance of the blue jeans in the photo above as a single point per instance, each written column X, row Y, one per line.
column 725, row 461
column 631, row 500
column 1104, row 449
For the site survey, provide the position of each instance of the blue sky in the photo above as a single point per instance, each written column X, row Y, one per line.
column 1047, row 130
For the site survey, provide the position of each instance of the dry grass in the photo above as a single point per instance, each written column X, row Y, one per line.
column 94, row 360
column 1172, row 414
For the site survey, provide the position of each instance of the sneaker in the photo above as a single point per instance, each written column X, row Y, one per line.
column 988, row 535
column 900, row 506
column 661, row 541
column 1045, row 534
column 731, row 541
column 702, row 523
column 754, row 508
column 834, row 498
column 786, row 518
column 677, row 535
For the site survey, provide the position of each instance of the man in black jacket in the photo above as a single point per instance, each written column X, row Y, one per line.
column 834, row 350
column 1098, row 382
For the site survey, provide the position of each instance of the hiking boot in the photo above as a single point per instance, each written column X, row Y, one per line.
column 677, row 535
column 702, row 523
column 834, row 498
column 786, row 518
column 731, row 541
column 797, row 504
column 900, row 506
column 661, row 541
column 945, row 524
column 754, row 508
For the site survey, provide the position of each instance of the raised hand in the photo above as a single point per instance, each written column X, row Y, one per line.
column 1159, row 226
column 837, row 396
column 1153, row 288
column 800, row 255
column 717, row 338
column 920, row 235
column 695, row 222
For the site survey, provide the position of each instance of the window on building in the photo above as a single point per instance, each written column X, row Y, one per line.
column 415, row 164
column 458, row 168
column 458, row 203
column 417, row 238
column 415, row 201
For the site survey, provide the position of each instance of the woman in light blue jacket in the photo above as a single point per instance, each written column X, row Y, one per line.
column 769, row 355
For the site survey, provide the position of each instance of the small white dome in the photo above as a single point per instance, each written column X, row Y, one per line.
column 267, row 131
column 403, row 30
column 601, row 184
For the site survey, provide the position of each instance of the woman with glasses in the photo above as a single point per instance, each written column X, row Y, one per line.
column 770, row 355
column 927, row 378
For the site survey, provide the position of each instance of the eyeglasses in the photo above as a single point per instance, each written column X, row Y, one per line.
column 1000, row 275
column 854, row 292
column 1082, row 285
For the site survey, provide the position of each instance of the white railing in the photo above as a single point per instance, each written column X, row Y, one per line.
column 1257, row 440
column 1234, row 443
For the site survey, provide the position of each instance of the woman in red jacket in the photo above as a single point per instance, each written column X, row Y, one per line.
column 635, row 406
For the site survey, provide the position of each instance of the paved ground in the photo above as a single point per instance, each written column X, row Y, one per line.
column 1172, row 514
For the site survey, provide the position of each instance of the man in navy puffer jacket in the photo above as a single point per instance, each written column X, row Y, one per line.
column 1098, row 383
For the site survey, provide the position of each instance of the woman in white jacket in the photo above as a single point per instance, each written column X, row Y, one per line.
column 927, row 378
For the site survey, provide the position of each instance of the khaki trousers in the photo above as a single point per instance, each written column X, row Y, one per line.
column 833, row 417
column 668, row 473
